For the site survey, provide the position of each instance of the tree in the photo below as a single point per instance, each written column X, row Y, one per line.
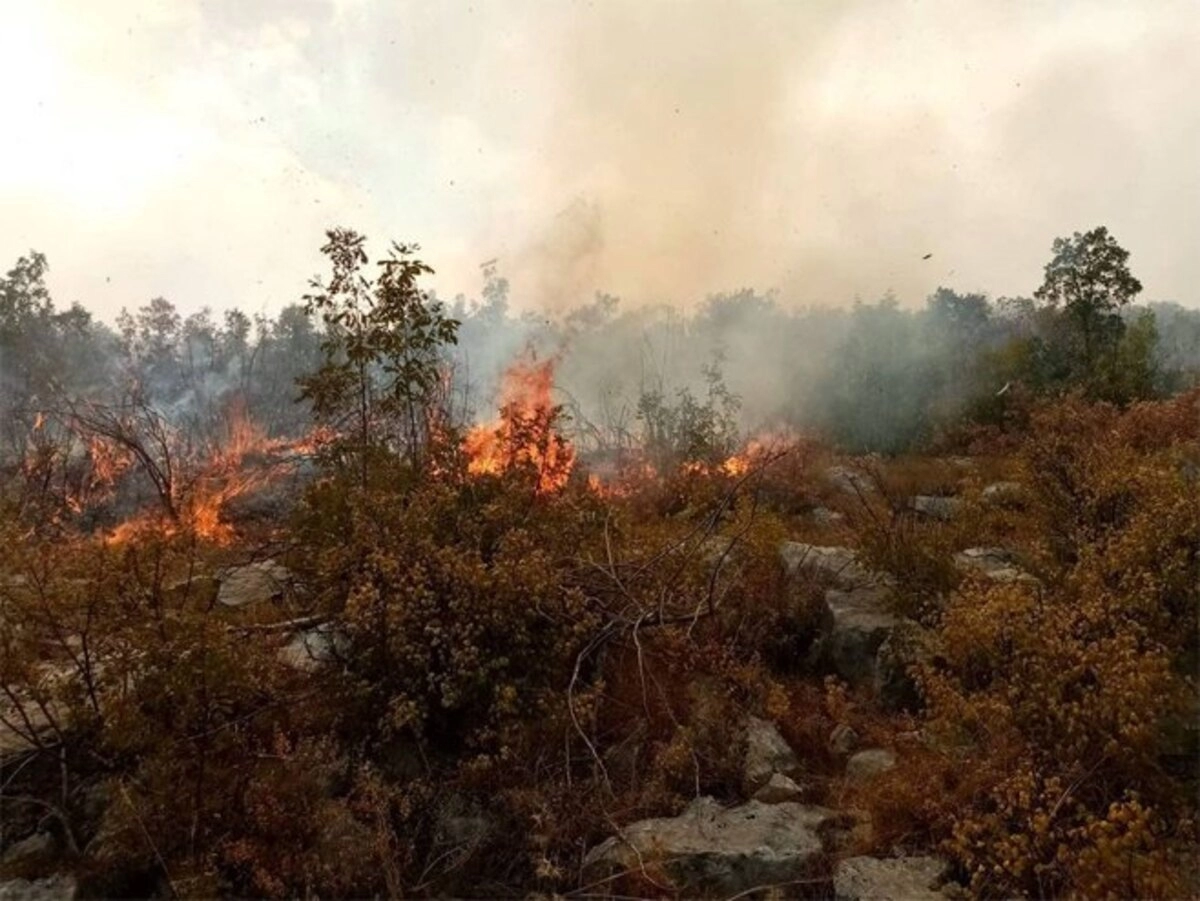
column 382, row 348
column 1089, row 281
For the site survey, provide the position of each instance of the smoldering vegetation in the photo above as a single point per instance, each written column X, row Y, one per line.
column 385, row 596
column 877, row 376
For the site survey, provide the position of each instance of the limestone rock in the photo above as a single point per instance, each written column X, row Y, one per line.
column 849, row 480
column 866, row 765
column 996, row 563
column 310, row 649
column 253, row 583
column 778, row 790
column 942, row 509
column 711, row 849
column 54, row 888
column 861, row 621
column 858, row 617
column 767, row 753
column 875, row 879
column 839, row 564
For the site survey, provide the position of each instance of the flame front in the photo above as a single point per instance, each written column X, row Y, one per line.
column 524, row 435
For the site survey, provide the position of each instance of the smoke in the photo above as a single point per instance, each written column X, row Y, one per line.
column 826, row 150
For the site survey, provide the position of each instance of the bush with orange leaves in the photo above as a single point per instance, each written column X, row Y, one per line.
column 1078, row 679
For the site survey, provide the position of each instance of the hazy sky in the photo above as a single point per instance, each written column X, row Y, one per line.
column 658, row 150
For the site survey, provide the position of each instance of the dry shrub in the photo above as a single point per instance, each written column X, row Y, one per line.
column 1081, row 674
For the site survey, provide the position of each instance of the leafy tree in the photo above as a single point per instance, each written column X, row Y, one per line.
column 1089, row 282
column 380, row 378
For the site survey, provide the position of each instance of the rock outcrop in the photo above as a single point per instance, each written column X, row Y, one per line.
column 53, row 888
column 866, row 765
column 711, row 849
column 767, row 754
column 253, row 583
column 890, row 879
column 996, row 563
column 859, row 617
column 849, row 480
column 310, row 649
column 778, row 790
column 936, row 507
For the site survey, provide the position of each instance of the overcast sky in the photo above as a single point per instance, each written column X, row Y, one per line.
column 660, row 151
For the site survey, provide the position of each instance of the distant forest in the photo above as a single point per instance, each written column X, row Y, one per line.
column 868, row 376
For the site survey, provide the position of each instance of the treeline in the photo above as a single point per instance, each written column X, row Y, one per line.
column 871, row 377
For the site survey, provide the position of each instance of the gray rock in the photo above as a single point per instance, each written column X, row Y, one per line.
column 253, row 583
column 942, row 509
column 310, row 649
column 895, row 879
column 839, row 564
column 711, row 849
column 861, row 622
column 849, row 480
column 866, row 765
column 767, row 753
column 53, row 888
column 778, row 790
column 995, row 563
column 843, row 739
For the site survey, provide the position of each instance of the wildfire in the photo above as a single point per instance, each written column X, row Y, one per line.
column 245, row 460
column 524, row 435
column 757, row 452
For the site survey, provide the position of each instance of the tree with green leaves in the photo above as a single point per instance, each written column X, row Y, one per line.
column 381, row 377
column 1088, row 282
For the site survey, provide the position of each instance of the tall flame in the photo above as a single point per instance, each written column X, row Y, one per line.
column 524, row 435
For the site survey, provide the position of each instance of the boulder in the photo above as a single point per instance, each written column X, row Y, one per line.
column 849, row 480
column 866, row 765
column 253, row 583
column 943, row 509
column 839, row 564
column 843, row 739
column 876, row 879
column 310, row 649
column 995, row 563
column 767, row 753
column 53, row 888
column 858, row 618
column 710, row 849
column 778, row 790
column 861, row 622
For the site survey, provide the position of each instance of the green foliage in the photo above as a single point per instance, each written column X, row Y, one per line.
column 880, row 384
column 690, row 430
column 380, row 379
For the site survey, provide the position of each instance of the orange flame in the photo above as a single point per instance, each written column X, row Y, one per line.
column 228, row 473
column 524, row 435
